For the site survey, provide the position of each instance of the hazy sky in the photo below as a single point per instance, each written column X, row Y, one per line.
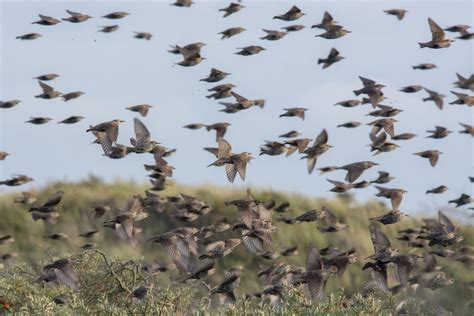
column 116, row 70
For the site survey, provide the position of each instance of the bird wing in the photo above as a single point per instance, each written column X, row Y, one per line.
column 313, row 260
column 294, row 9
column 311, row 163
column 141, row 132
column 329, row 217
column 379, row 239
column 231, row 172
column 238, row 97
column 437, row 32
column 316, row 286
column 46, row 89
column 241, row 167
column 224, row 149
column 321, row 139
column 434, row 159
column 104, row 142
column 367, row 82
column 327, row 18
column 353, row 174
column 54, row 199
column 444, row 220
column 333, row 53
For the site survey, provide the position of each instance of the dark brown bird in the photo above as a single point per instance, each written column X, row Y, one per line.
column 220, row 128
column 50, row 218
column 51, row 204
column 47, row 77
column 306, row 217
column 16, row 180
column 460, row 28
column 332, row 223
column 438, row 190
column 46, row 20
column 72, row 95
column 441, row 232
column 273, row 35
column 272, row 148
column 399, row 13
column 462, row 200
column 3, row 155
column 221, row 91
column 143, row 35
column 232, row 8
column 411, row 89
column 71, row 120
column 234, row 163
column 293, row 14
column 468, row 129
column 424, row 66
column 8, row 104
column 463, row 98
column 89, row 234
column 432, row 155
column 319, row 147
column 249, row 50
column 191, row 48
column 109, row 128
column 334, row 31
column 332, row 58
column 290, row 134
column 465, row 83
column 116, row 15
column 225, row 290
column 439, row 132
column 76, row 17
column 387, row 124
column 291, row 112
column 57, row 236
column 316, row 274
column 215, row 75
column 29, row 36
column 63, row 269
column 391, row 217
column 404, row 136
column 385, row 111
column 384, row 177
column 350, row 125
column 383, row 251
column 183, row 3
column 141, row 108
column 438, row 39
column 355, row 170
column 299, row 144
column 6, row 239
column 435, row 97
column 326, row 22
column 99, row 211
column 48, row 92
column 26, row 198
column 228, row 33
column 293, row 28
column 108, row 28
column 349, row 103
column 219, row 249
column 39, row 120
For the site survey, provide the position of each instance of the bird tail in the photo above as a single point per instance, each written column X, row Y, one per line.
column 320, row 61
column 422, row 45
column 357, row 92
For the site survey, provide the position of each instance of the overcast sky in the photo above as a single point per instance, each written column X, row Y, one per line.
column 116, row 70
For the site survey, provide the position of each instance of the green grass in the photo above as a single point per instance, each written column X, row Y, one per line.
column 107, row 296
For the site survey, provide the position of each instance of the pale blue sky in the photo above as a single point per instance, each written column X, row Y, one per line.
column 116, row 71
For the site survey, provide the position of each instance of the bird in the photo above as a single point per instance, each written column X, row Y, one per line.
column 432, row 155
column 48, row 92
column 141, row 108
column 316, row 275
column 438, row 39
column 437, row 190
column 399, row 13
column 76, row 17
column 332, row 223
column 395, row 195
column 142, row 142
column 3, row 155
column 273, row 35
column 350, row 125
column 465, row 83
column 29, row 36
column 71, row 120
column 436, row 97
column 57, row 236
column 109, row 128
column 332, row 58
column 232, row 8
column 411, row 89
column 63, row 269
column 294, row 13
column 391, row 217
column 250, row 50
column 424, row 66
column 228, row 33
column 9, row 104
column 403, row 136
column 326, row 22
column 234, row 163
column 220, row 128
column 108, row 28
column 183, row 3
column 299, row 144
column 71, row 95
column 39, row 120
column 51, row 204
column 292, row 112
column 462, row 200
column 215, row 75
column 293, row 28
column 387, row 124
column 290, row 134
column 46, row 20
column 47, row 77
column 463, row 98
column 16, row 180
column 319, row 147
column 26, row 198
column 333, row 32
column 468, row 129
column 143, row 35
column 383, row 251
column 438, row 132
column 355, row 170
column 116, row 15
column 441, row 232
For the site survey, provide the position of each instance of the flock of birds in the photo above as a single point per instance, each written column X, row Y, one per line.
column 194, row 253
